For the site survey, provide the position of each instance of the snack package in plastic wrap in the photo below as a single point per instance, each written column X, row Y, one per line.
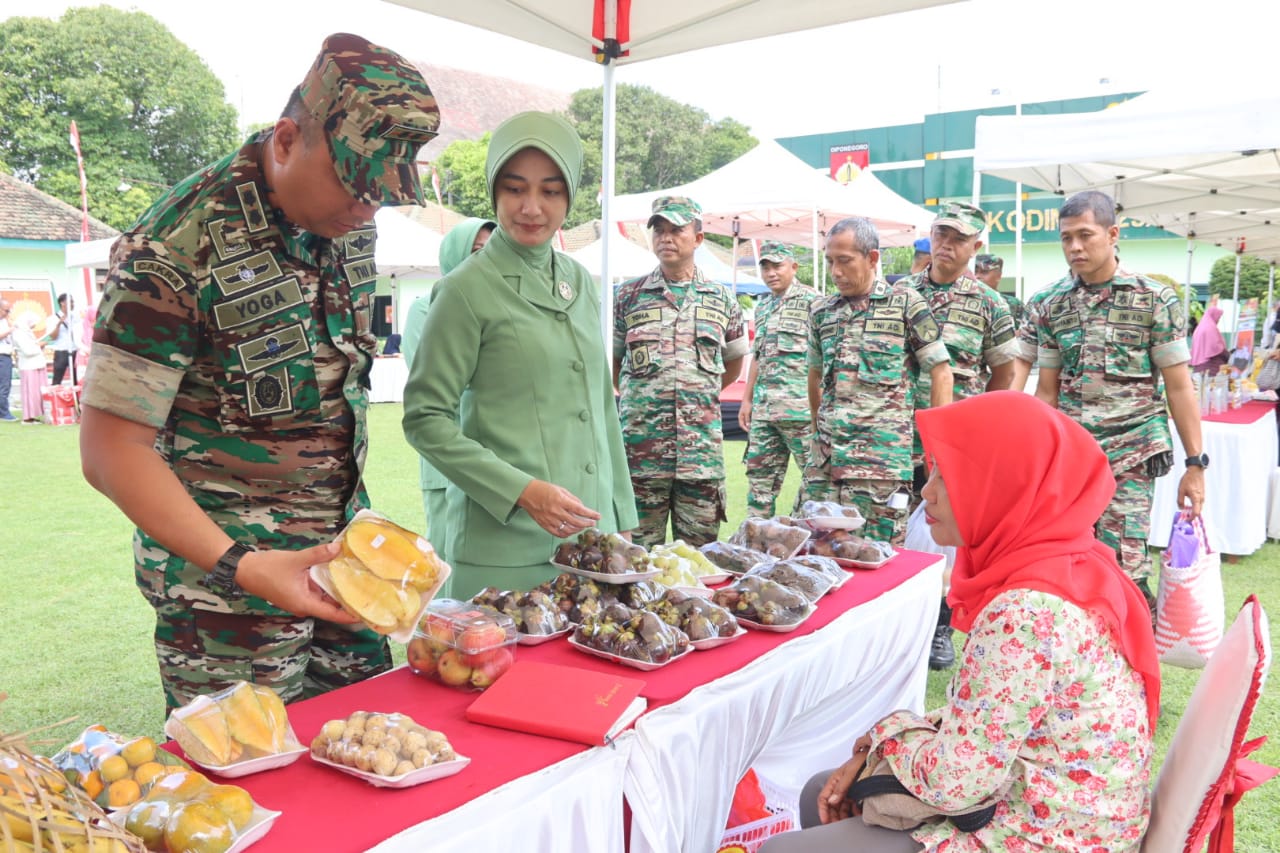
column 242, row 729
column 736, row 559
column 844, row 545
column 462, row 644
column 826, row 565
column 810, row 583
column 114, row 770
column 186, row 810
column 536, row 612
column 774, row 538
column 602, row 553
column 761, row 601
column 634, row 634
column 385, row 574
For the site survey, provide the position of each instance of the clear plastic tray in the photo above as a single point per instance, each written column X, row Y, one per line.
column 835, row 522
column 712, row 642
column 625, row 577
column 864, row 564
column 320, row 575
column 260, row 822
column 406, row 780
column 777, row 629
column 646, row 666
column 539, row 639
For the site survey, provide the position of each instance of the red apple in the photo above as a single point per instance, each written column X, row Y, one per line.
column 482, row 643
column 487, row 673
column 452, row 669
column 422, row 655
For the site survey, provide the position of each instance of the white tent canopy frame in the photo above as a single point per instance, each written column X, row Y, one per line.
column 1201, row 162
column 618, row 32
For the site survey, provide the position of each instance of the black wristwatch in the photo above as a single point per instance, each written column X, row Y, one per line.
column 222, row 578
column 1201, row 461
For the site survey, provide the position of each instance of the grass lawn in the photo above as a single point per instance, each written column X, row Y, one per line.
column 76, row 635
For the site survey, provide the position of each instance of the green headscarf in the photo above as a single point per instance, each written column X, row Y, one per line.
column 456, row 245
column 549, row 133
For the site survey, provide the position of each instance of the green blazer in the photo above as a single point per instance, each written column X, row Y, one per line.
column 519, row 355
column 428, row 476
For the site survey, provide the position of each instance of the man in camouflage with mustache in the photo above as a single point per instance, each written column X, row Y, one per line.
column 678, row 339
column 225, row 401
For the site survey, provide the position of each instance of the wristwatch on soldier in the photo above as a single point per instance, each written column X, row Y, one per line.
column 222, row 578
column 1201, row 461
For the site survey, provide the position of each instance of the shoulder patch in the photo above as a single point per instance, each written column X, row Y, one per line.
column 255, row 213
column 159, row 269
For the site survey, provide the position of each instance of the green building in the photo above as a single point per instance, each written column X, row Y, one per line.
column 931, row 163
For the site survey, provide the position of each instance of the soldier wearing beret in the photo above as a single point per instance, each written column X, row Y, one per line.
column 1104, row 339
column 678, row 340
column 225, row 400
column 867, row 344
column 975, row 326
column 775, row 404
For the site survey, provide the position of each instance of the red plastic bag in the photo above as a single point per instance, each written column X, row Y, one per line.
column 748, row 802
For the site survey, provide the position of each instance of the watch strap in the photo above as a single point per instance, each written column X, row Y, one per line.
column 222, row 578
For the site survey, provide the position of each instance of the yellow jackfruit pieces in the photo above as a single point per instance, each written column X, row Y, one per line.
column 274, row 707
column 200, row 728
column 391, row 553
column 370, row 597
column 247, row 720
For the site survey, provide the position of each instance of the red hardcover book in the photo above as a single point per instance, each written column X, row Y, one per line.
column 550, row 699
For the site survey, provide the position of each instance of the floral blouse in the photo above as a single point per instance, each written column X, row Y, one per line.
column 1045, row 708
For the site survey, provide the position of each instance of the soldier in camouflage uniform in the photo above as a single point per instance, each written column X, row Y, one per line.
column 974, row 322
column 775, row 404
column 1104, row 340
column 866, row 346
column 978, row 332
column 225, row 398
column 678, row 340
column 989, row 269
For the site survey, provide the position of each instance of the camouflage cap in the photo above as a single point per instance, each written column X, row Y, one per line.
column 377, row 111
column 965, row 218
column 676, row 209
column 985, row 262
column 775, row 252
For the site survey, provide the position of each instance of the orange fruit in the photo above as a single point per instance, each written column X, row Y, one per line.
column 182, row 785
column 113, row 767
column 139, row 751
column 93, row 784
column 231, row 800
column 147, row 772
column 198, row 827
column 122, row 792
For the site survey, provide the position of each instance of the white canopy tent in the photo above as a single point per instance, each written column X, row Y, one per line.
column 771, row 194
column 1202, row 162
column 629, row 260
column 404, row 247
column 617, row 32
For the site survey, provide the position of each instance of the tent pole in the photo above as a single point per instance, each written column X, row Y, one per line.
column 1186, row 290
column 1271, row 286
column 606, row 214
column 1235, row 299
column 1017, row 244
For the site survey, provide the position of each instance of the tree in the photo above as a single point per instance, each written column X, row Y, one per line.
column 1254, row 273
column 148, row 109
column 462, row 180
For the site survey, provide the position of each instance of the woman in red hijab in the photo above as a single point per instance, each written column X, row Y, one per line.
column 1053, row 707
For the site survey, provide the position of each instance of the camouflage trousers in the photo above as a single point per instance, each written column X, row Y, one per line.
column 769, row 445
column 871, row 497
column 1126, row 522
column 201, row 651
column 694, row 507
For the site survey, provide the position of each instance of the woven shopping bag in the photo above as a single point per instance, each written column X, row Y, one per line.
column 1189, row 605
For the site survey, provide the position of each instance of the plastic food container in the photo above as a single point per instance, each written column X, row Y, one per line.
column 461, row 644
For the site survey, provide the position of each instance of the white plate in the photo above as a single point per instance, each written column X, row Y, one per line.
column 713, row 579
column 712, row 642
column 836, row 522
column 845, row 577
column 695, row 591
column 259, row 822
column 645, row 665
column 539, row 639
column 292, row 752
column 628, row 577
column 863, row 564
column 777, row 629
column 407, row 780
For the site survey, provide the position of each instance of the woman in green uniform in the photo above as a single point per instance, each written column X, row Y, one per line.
column 513, row 345
column 463, row 239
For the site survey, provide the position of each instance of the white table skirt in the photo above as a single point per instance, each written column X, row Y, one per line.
column 387, row 378
column 790, row 713
column 1241, row 459
column 573, row 806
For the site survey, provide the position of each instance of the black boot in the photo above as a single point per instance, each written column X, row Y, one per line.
column 942, row 655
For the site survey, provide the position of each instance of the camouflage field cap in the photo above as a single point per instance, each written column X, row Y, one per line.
column 676, row 209
column 775, row 252
column 377, row 111
column 985, row 262
column 965, row 218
